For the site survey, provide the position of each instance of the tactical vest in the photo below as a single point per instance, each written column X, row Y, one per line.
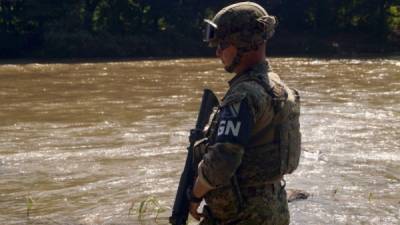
column 274, row 149
column 286, row 104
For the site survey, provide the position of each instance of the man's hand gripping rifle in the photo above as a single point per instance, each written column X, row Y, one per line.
column 181, row 205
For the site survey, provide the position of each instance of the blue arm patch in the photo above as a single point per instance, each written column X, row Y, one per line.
column 235, row 123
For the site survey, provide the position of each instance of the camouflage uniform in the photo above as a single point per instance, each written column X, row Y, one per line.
column 256, row 164
column 244, row 141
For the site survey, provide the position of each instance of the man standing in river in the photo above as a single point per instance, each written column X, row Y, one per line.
column 254, row 139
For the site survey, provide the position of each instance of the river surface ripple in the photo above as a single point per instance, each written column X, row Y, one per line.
column 85, row 143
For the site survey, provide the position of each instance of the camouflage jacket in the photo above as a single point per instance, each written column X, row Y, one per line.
column 246, row 109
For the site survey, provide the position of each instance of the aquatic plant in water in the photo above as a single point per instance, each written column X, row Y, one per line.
column 149, row 207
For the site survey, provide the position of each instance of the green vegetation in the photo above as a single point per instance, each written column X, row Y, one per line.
column 149, row 207
column 29, row 205
column 141, row 28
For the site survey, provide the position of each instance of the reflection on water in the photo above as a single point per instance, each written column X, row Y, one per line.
column 86, row 141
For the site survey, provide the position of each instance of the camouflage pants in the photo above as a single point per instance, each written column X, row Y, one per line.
column 268, row 208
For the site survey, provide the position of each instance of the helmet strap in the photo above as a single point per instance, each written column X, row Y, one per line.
column 236, row 61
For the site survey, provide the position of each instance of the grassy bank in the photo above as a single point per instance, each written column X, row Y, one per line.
column 87, row 45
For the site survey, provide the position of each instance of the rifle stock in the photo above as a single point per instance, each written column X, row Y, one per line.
column 180, row 210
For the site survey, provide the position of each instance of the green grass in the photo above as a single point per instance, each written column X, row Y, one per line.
column 148, row 208
column 29, row 205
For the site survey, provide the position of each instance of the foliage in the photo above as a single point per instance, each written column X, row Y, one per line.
column 131, row 28
column 29, row 205
column 148, row 207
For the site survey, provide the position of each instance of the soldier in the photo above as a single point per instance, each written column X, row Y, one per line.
column 254, row 138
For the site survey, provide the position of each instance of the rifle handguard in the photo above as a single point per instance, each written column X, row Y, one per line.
column 195, row 134
column 181, row 206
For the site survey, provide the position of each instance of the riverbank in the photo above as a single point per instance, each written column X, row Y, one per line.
column 76, row 60
column 337, row 45
column 85, row 46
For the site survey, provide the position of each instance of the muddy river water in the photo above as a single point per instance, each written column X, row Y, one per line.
column 86, row 143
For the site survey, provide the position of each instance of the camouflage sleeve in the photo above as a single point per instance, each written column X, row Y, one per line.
column 224, row 157
column 220, row 163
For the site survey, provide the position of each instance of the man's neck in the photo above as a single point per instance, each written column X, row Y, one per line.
column 251, row 58
column 248, row 63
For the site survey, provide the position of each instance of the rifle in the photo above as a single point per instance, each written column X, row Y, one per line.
column 181, row 205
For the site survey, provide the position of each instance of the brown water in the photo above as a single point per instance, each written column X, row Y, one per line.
column 86, row 141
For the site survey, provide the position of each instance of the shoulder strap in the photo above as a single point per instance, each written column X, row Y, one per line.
column 278, row 95
column 263, row 84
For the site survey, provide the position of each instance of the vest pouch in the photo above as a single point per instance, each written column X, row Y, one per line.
column 289, row 133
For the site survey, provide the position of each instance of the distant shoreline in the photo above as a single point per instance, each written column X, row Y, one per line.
column 284, row 44
column 77, row 60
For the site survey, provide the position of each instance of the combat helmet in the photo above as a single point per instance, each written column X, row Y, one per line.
column 245, row 25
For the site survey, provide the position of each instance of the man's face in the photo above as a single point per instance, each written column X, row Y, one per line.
column 226, row 52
